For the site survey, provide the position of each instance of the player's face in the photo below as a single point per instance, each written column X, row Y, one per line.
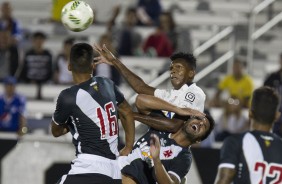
column 180, row 73
column 196, row 127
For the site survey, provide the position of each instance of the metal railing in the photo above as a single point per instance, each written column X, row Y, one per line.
column 255, row 34
column 199, row 50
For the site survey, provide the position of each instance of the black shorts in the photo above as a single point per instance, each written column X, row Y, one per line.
column 92, row 178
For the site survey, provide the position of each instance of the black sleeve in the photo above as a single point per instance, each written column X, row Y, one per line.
column 63, row 108
column 119, row 95
column 230, row 151
column 180, row 165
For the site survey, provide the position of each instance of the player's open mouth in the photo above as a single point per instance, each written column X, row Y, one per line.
column 195, row 127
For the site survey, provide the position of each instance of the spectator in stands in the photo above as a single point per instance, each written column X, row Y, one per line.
column 274, row 80
column 239, row 85
column 9, row 23
column 232, row 120
column 148, row 12
column 12, row 109
column 179, row 37
column 104, row 69
column 159, row 43
column 37, row 66
column 9, row 56
column 126, row 38
column 61, row 73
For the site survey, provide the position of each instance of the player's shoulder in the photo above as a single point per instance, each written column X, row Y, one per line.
column 197, row 89
column 102, row 80
column 69, row 91
column 235, row 138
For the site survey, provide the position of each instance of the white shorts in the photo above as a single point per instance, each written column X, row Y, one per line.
column 86, row 163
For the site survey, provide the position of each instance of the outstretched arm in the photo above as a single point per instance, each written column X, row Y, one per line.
column 147, row 103
column 127, row 120
column 160, row 123
column 138, row 85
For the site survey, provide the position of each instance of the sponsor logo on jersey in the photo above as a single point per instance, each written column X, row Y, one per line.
column 190, row 97
column 162, row 141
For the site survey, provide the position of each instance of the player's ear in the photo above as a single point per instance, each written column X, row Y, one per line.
column 69, row 67
column 192, row 73
column 251, row 115
column 93, row 66
column 277, row 115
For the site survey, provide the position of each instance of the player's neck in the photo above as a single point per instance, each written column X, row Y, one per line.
column 260, row 127
column 181, row 139
column 79, row 78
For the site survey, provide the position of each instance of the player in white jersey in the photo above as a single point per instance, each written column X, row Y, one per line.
column 183, row 66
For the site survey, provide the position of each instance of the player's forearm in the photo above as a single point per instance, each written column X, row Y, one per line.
column 127, row 121
column 59, row 130
column 138, row 85
column 160, row 123
column 148, row 103
column 161, row 174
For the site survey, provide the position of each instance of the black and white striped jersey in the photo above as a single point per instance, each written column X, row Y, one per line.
column 90, row 111
column 139, row 165
column 256, row 156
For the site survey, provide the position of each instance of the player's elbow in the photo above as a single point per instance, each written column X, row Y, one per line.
column 56, row 133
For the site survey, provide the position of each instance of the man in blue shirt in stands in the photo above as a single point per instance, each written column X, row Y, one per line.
column 12, row 109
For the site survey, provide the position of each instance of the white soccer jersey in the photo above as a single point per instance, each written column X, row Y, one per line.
column 190, row 96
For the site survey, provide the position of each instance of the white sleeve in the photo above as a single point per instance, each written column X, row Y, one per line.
column 161, row 93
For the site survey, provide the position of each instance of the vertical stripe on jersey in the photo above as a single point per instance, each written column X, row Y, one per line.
column 253, row 154
column 88, row 106
column 76, row 134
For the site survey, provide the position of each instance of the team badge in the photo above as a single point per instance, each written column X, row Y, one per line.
column 190, row 97
column 167, row 153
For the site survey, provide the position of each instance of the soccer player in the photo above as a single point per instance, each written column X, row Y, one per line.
column 183, row 66
column 159, row 156
column 254, row 156
column 89, row 110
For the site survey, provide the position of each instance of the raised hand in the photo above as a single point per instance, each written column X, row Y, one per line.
column 106, row 56
column 155, row 146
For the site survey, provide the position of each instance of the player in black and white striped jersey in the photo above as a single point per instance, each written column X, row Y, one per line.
column 89, row 110
column 168, row 157
column 254, row 156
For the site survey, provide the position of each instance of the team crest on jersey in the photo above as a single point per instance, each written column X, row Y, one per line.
column 167, row 153
column 267, row 140
column 94, row 85
column 190, row 97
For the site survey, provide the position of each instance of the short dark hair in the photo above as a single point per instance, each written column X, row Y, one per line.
column 265, row 104
column 81, row 58
column 189, row 58
column 39, row 34
column 211, row 122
